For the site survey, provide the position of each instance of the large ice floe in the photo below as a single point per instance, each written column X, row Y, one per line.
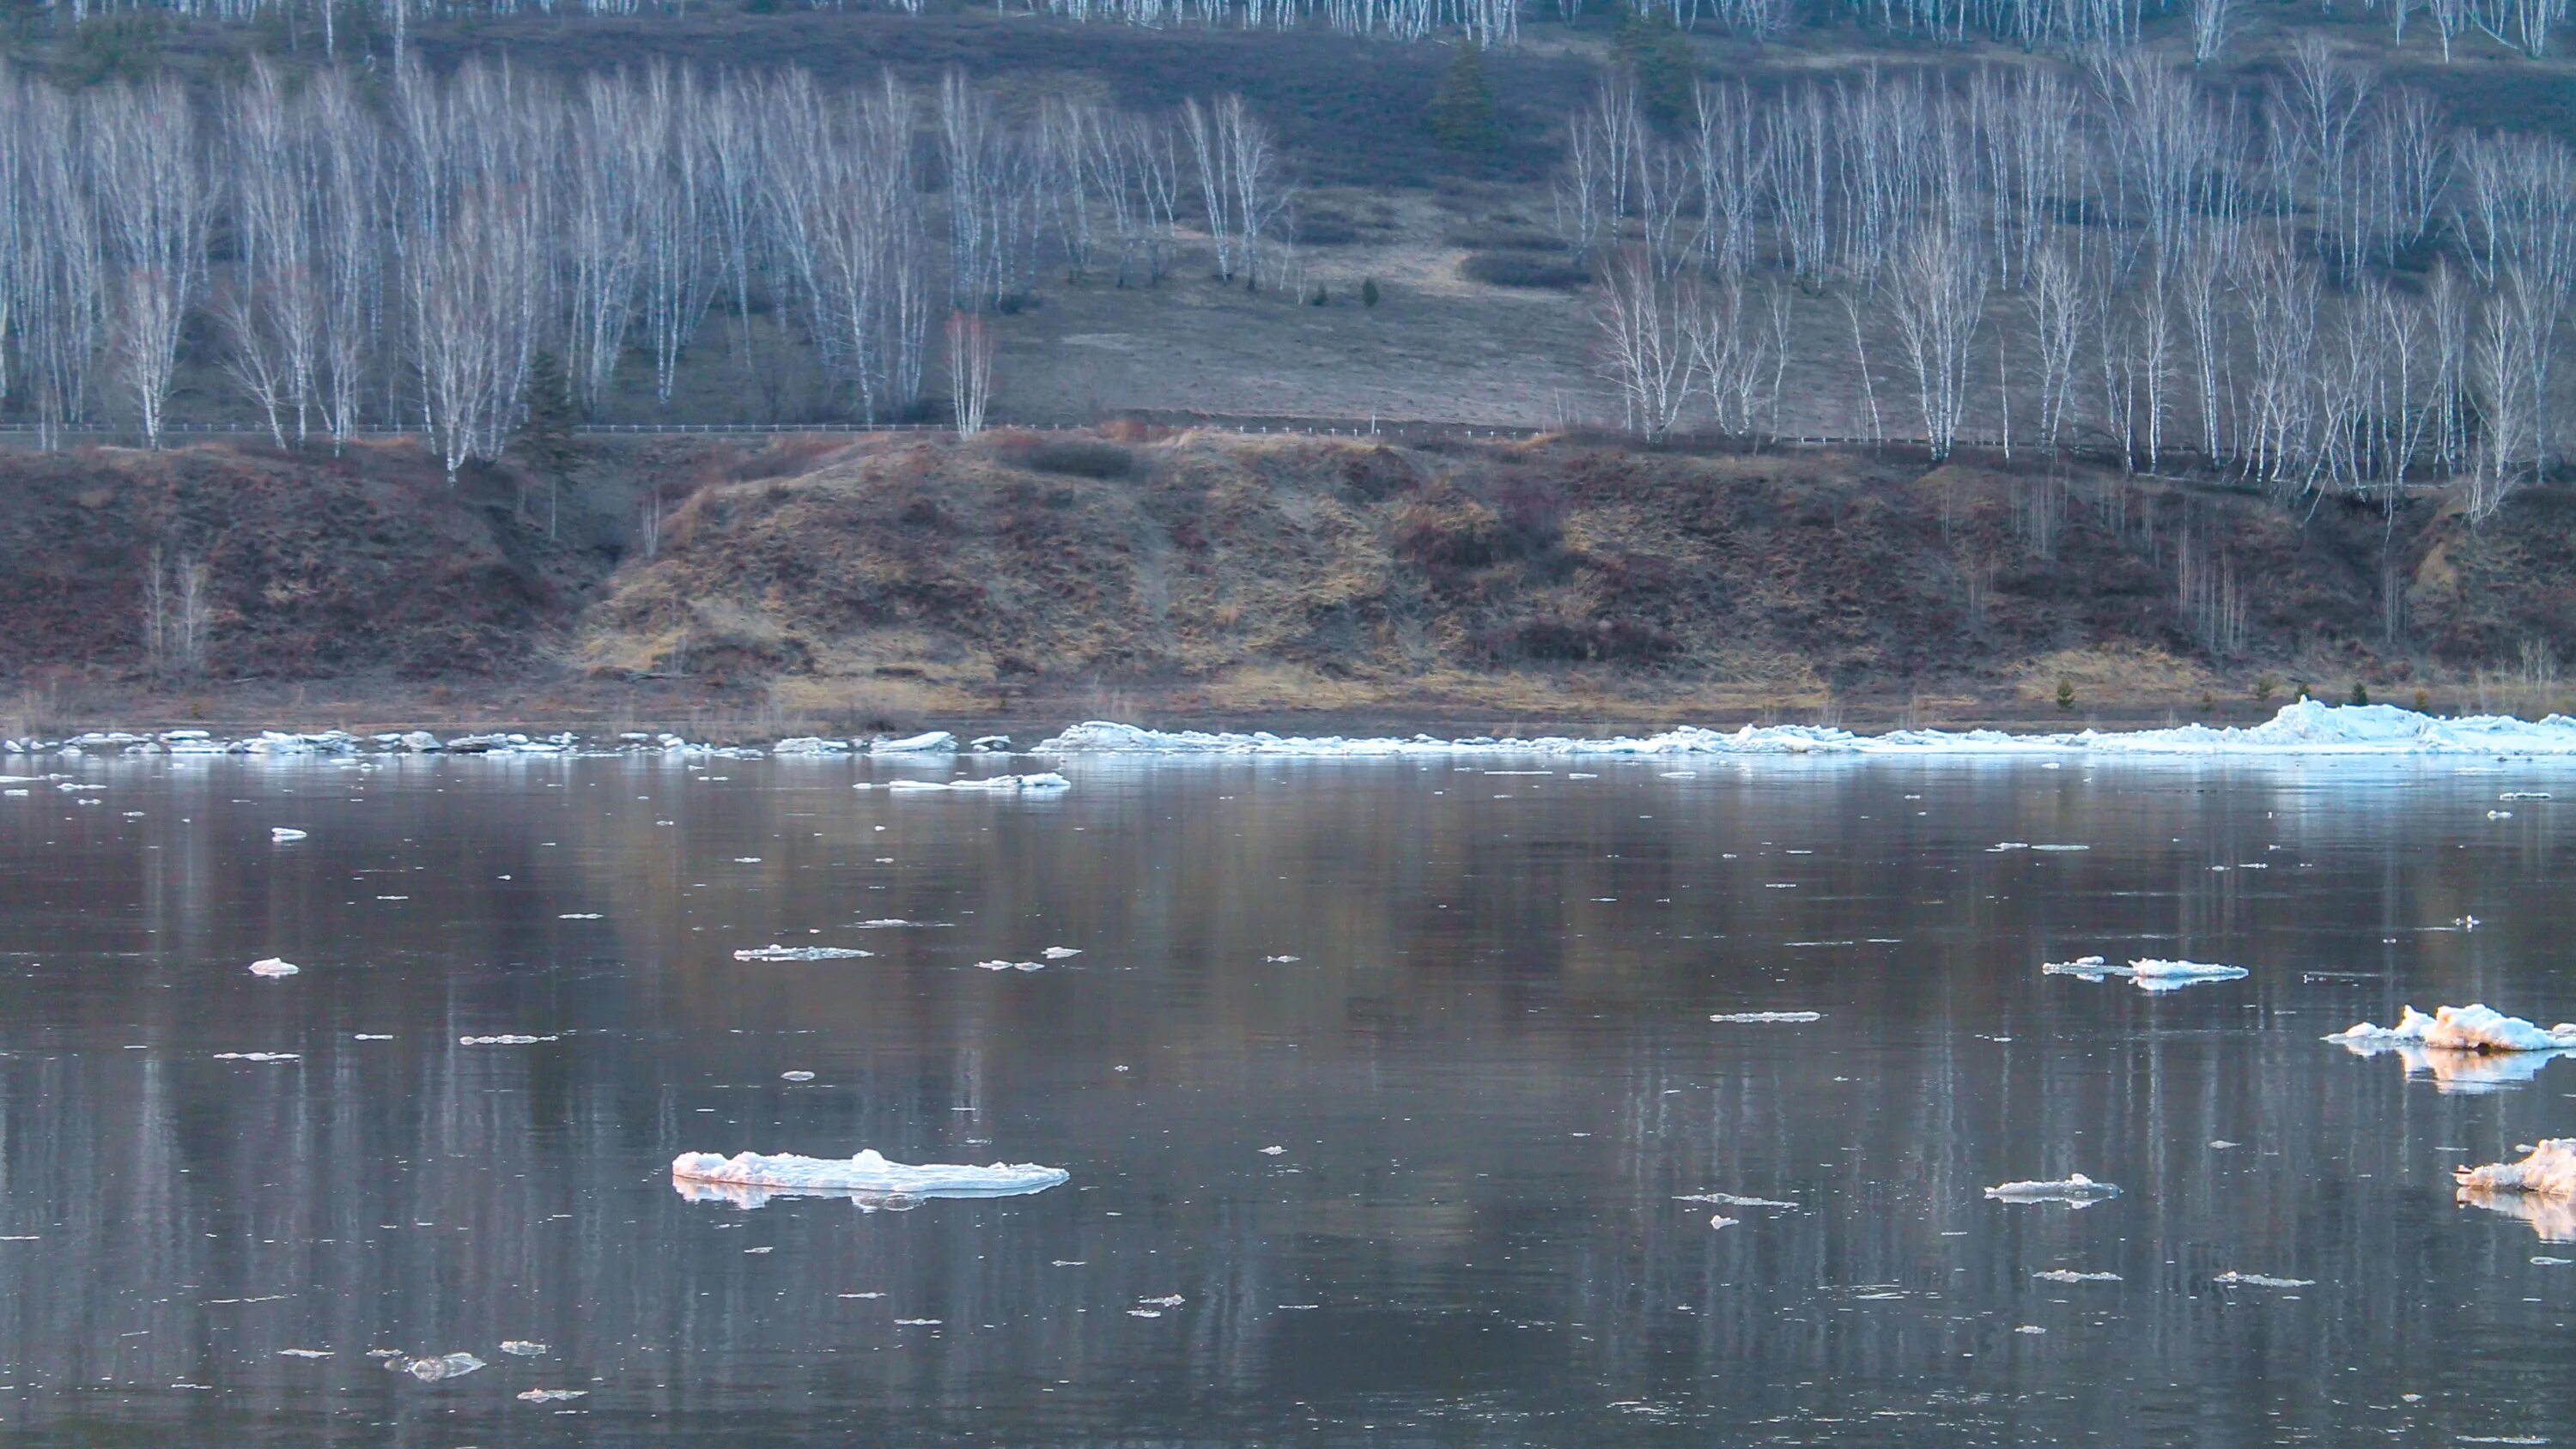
column 2540, row 1189
column 748, row 1179
column 800, row 953
column 2074, row 1189
column 2474, row 1028
column 2464, row 1049
column 2303, row 728
column 2147, row 974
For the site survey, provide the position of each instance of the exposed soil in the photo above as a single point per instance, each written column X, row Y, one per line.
column 1206, row 576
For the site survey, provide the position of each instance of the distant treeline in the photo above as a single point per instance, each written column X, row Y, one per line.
column 412, row 254
column 2318, row 285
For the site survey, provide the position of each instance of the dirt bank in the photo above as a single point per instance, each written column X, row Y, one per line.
column 1200, row 575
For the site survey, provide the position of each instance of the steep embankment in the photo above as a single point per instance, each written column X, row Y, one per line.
column 1226, row 574
column 1274, row 573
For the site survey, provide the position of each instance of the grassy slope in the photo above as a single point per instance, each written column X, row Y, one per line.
column 1217, row 574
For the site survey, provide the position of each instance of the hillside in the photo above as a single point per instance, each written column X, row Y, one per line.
column 1207, row 575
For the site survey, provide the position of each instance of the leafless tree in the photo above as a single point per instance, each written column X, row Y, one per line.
column 1646, row 313
column 154, row 202
column 1936, row 292
column 970, row 371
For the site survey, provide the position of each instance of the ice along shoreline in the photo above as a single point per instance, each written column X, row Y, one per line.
column 2305, row 729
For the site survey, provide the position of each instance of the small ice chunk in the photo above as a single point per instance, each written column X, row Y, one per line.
column 1728, row 1199
column 1010, row 965
column 916, row 1323
column 2030, row 1328
column 1768, row 1016
column 258, row 1056
column 2147, row 974
column 796, row 1076
column 371, row 1036
column 578, row 916
column 929, row 742
column 800, row 953
column 2074, row 1189
column 282, row 833
column 521, row 1348
column 506, row 1039
column 430, row 1370
column 1168, row 1300
column 1041, row 783
column 1144, row 1313
column 1721, row 1220
column 1282, row 960
column 705, row 1175
column 304, row 1353
column 2233, row 1279
column 550, row 1396
column 2069, row 1275
column 1058, row 953
column 2473, row 1028
column 888, row 923
column 272, row 966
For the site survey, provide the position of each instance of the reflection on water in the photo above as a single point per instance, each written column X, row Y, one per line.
column 1390, row 1092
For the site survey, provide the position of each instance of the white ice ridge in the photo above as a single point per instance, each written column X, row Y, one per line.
column 800, row 953
column 2075, row 1189
column 2474, row 1028
column 2304, row 728
column 2147, row 974
column 992, row 784
column 864, row 1175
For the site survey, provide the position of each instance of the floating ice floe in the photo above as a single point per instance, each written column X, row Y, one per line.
column 522, row 1348
column 2145, row 974
column 990, row 744
column 2474, row 1028
column 891, row 923
column 2306, row 727
column 2074, row 1189
column 429, row 1369
column 799, row 1075
column 1768, row 1016
column 800, row 953
column 2233, row 1279
column 1059, row 953
column 1010, row 965
column 272, row 966
column 2070, row 1275
column 1721, row 1220
column 506, row 1039
column 258, row 1056
column 749, row 1179
column 975, row 784
column 931, row 742
column 282, row 833
column 2550, row 1167
column 304, row 1353
column 550, row 1396
column 1728, row 1199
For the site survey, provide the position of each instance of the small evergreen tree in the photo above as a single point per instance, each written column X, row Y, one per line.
column 544, row 441
column 1463, row 118
column 1659, row 59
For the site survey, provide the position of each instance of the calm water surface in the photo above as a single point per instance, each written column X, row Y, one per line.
column 1471, row 1009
